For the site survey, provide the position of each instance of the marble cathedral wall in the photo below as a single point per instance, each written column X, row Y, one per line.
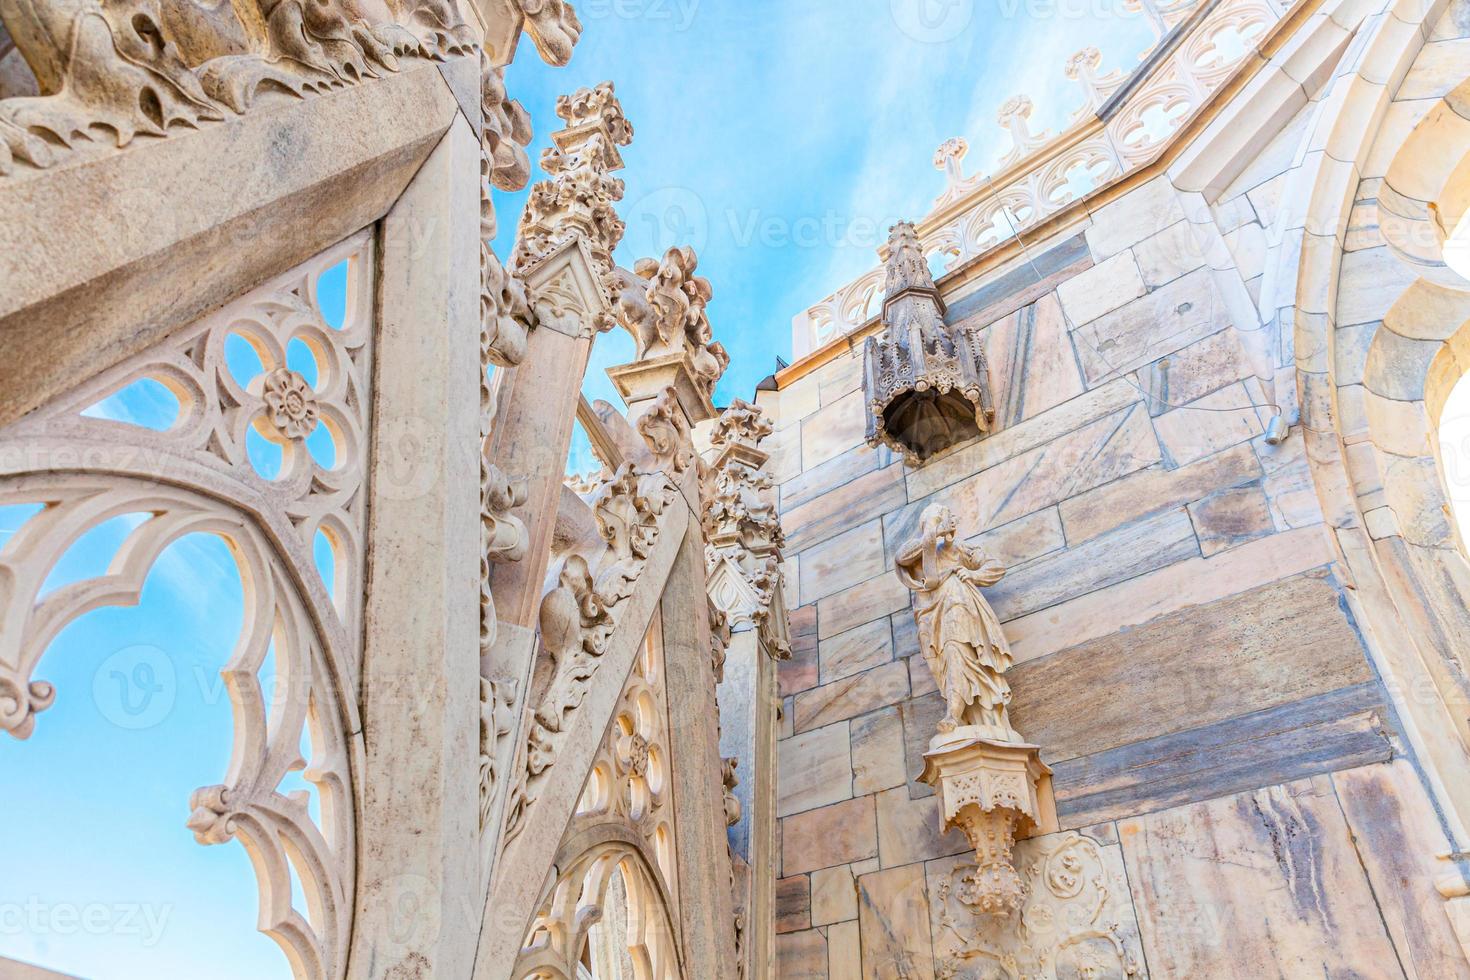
column 1248, row 780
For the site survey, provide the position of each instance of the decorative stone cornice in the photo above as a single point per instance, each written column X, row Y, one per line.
column 576, row 202
column 742, row 529
column 662, row 303
column 926, row 384
column 133, row 68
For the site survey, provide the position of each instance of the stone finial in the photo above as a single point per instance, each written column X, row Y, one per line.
column 1152, row 13
column 927, row 384
column 1015, row 116
column 662, row 303
column 950, row 158
column 577, row 201
column 1082, row 68
column 991, row 782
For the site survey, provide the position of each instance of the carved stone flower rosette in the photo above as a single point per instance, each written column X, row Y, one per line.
column 290, row 403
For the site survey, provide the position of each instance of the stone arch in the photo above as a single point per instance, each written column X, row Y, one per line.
column 194, row 475
column 1367, row 325
column 577, row 901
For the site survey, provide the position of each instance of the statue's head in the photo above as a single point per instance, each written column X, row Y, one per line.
column 937, row 522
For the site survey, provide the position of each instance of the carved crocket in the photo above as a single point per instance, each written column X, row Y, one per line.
column 109, row 66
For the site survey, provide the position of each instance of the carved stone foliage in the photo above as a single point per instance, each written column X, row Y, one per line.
column 497, row 723
column 663, row 304
column 505, row 311
column 84, row 465
column 106, row 73
column 1075, row 919
column 577, row 201
column 742, row 529
column 626, row 800
column 926, row 384
column 505, row 321
column 503, row 537
column 666, row 431
column 580, row 613
column 730, row 781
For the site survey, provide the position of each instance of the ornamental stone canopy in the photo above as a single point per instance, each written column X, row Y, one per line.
column 926, row 385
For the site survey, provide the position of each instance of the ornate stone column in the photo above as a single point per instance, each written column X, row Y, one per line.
column 992, row 783
column 743, row 555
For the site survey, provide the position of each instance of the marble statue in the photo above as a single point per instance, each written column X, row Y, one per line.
column 959, row 633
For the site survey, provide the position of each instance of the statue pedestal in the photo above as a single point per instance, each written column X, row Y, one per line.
column 994, row 791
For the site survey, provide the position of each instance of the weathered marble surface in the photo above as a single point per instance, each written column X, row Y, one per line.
column 1262, row 884
column 832, row 835
column 1398, row 836
column 893, row 915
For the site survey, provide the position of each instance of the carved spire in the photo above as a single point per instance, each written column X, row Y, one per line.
column 577, row 201
column 927, row 384
column 742, row 529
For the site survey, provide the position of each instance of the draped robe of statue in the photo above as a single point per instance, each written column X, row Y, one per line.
column 959, row 633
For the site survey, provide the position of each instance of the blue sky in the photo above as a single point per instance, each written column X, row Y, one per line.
column 781, row 139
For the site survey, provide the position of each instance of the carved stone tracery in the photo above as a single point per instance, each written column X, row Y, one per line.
column 193, row 475
column 625, row 803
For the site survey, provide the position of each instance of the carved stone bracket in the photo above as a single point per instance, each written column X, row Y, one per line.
column 992, row 791
column 926, row 384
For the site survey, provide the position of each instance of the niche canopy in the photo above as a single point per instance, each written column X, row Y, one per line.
column 926, row 383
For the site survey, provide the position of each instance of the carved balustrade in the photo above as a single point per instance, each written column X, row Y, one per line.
column 1122, row 126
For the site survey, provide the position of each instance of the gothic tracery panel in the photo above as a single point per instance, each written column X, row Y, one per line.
column 265, row 449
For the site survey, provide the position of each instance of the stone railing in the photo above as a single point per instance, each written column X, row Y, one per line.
column 1123, row 124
